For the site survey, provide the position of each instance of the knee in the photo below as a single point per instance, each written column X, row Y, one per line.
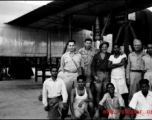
column 90, row 104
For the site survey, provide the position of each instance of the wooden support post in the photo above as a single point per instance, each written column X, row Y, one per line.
column 43, row 74
column 36, row 67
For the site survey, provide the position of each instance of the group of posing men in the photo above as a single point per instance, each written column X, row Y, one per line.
column 111, row 75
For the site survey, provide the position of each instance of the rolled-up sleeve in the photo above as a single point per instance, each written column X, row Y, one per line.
column 64, row 92
column 44, row 91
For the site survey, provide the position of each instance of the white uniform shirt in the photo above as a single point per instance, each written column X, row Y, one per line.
column 118, row 72
column 68, row 64
column 139, row 102
column 52, row 89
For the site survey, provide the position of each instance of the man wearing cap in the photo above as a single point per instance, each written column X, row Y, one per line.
column 100, row 70
column 135, row 67
column 87, row 52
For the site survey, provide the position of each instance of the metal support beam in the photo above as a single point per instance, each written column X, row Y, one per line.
column 97, row 31
column 70, row 27
column 106, row 24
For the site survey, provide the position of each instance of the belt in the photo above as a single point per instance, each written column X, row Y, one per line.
column 70, row 71
column 56, row 97
column 136, row 70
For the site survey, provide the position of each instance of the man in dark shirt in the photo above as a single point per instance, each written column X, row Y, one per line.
column 100, row 70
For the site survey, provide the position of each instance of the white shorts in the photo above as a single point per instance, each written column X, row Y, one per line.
column 120, row 85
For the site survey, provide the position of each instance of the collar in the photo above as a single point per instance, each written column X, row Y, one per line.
column 149, row 93
column 115, row 94
column 50, row 79
column 90, row 48
column 142, row 53
column 74, row 52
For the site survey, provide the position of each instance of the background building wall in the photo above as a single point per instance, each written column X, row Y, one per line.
column 19, row 41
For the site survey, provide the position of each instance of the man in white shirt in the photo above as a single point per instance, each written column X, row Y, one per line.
column 117, row 63
column 142, row 101
column 55, row 96
column 111, row 103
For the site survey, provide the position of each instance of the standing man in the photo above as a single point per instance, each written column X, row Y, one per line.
column 148, row 64
column 81, row 99
column 71, row 62
column 135, row 67
column 142, row 101
column 112, row 102
column 87, row 53
column 117, row 63
column 55, row 96
column 100, row 70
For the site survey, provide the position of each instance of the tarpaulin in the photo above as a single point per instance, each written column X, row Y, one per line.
column 15, row 41
column 60, row 38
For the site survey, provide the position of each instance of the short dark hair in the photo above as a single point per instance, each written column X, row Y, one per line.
column 116, row 44
column 110, row 84
column 143, row 81
column 88, row 39
column 149, row 43
column 71, row 41
column 54, row 67
column 81, row 77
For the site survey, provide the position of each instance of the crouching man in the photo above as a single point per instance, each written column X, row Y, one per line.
column 81, row 100
column 111, row 103
column 55, row 96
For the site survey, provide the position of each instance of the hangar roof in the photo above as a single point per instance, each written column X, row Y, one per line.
column 56, row 14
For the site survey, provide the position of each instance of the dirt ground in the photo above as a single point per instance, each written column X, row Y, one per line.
column 19, row 99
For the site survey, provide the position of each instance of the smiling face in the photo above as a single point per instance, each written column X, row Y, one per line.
column 137, row 46
column 81, row 83
column 104, row 48
column 110, row 89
